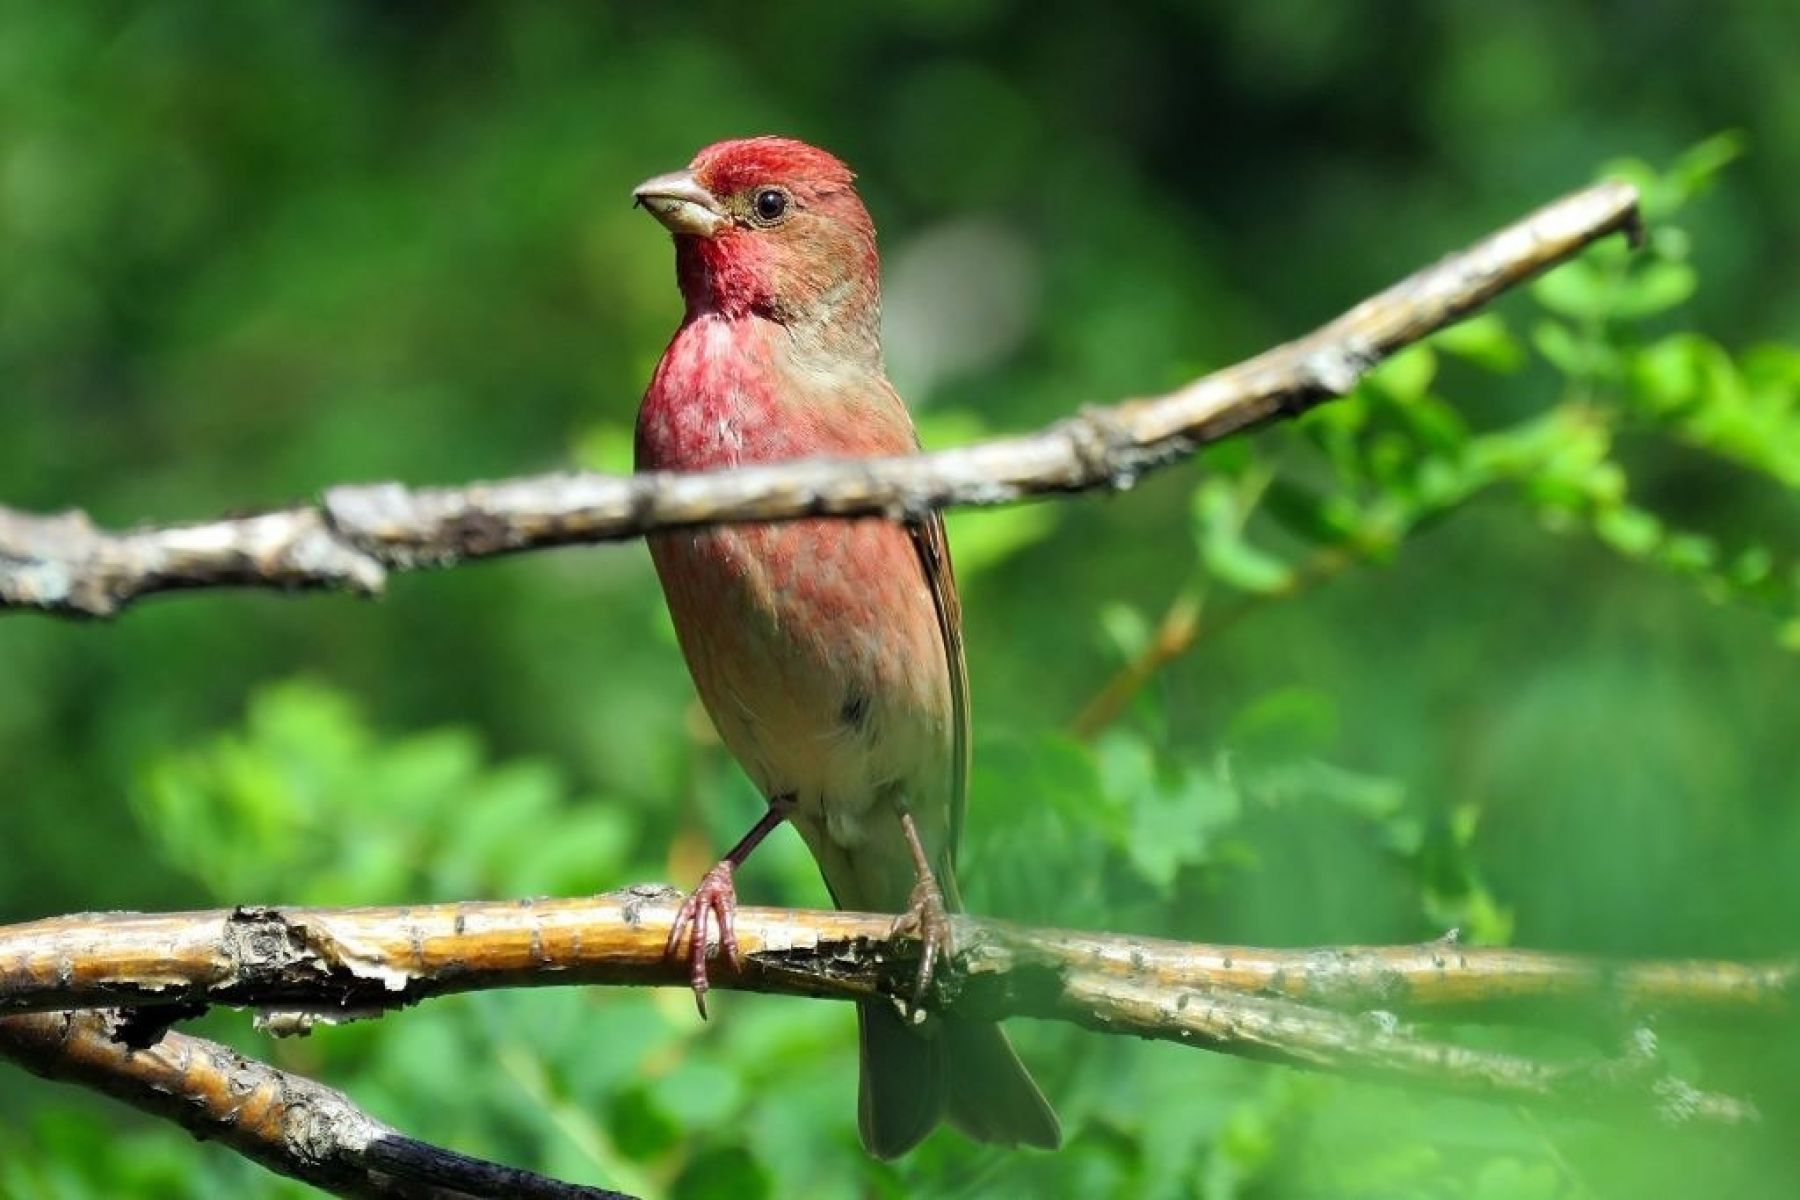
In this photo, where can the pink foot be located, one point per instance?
(927, 919)
(714, 901)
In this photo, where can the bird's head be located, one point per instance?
(771, 226)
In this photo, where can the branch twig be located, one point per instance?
(1306, 1007)
(1181, 628)
(64, 564)
(289, 1124)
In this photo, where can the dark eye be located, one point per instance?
(770, 203)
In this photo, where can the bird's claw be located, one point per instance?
(927, 919)
(712, 902)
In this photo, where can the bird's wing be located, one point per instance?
(884, 427)
(934, 558)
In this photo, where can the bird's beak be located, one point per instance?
(679, 202)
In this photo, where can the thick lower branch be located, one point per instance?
(377, 958)
(64, 564)
(1334, 1008)
(289, 1124)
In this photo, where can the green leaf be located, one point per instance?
(1700, 167)
(1631, 531)
(724, 1173)
(1126, 629)
(1658, 287)
(640, 1126)
(1751, 566)
(1774, 365)
(1689, 553)
(1749, 413)
(1578, 358)
(1788, 636)
(1576, 290)
(1370, 797)
(1442, 482)
(1173, 810)
(1484, 340)
(1436, 425)
(1407, 375)
(1670, 243)
(1289, 723)
(1218, 524)
(1670, 374)
(1330, 519)
(1039, 817)
(1662, 194)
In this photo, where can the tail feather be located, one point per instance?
(901, 1094)
(913, 1076)
(992, 1097)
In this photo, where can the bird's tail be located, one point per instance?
(913, 1075)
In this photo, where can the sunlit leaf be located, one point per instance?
(1700, 167)
(1218, 523)
(1406, 375)
(1630, 531)
(1485, 340)
(1657, 288)
(1576, 289)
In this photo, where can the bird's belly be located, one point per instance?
(815, 648)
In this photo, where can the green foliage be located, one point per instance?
(1402, 456)
(252, 250)
(310, 803)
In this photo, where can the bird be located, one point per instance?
(827, 652)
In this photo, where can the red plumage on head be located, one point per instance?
(819, 268)
(731, 166)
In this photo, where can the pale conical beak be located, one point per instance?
(679, 202)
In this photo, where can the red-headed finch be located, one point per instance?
(828, 652)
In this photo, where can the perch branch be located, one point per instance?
(1330, 1008)
(66, 564)
(289, 1124)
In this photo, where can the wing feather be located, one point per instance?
(934, 559)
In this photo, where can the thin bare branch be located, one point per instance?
(64, 564)
(1308, 1007)
(289, 1124)
(1181, 629)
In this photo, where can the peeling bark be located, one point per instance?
(289, 1124)
(1335, 1008)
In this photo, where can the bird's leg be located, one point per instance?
(925, 917)
(714, 901)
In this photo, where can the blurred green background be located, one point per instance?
(1505, 642)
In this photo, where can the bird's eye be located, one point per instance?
(770, 204)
